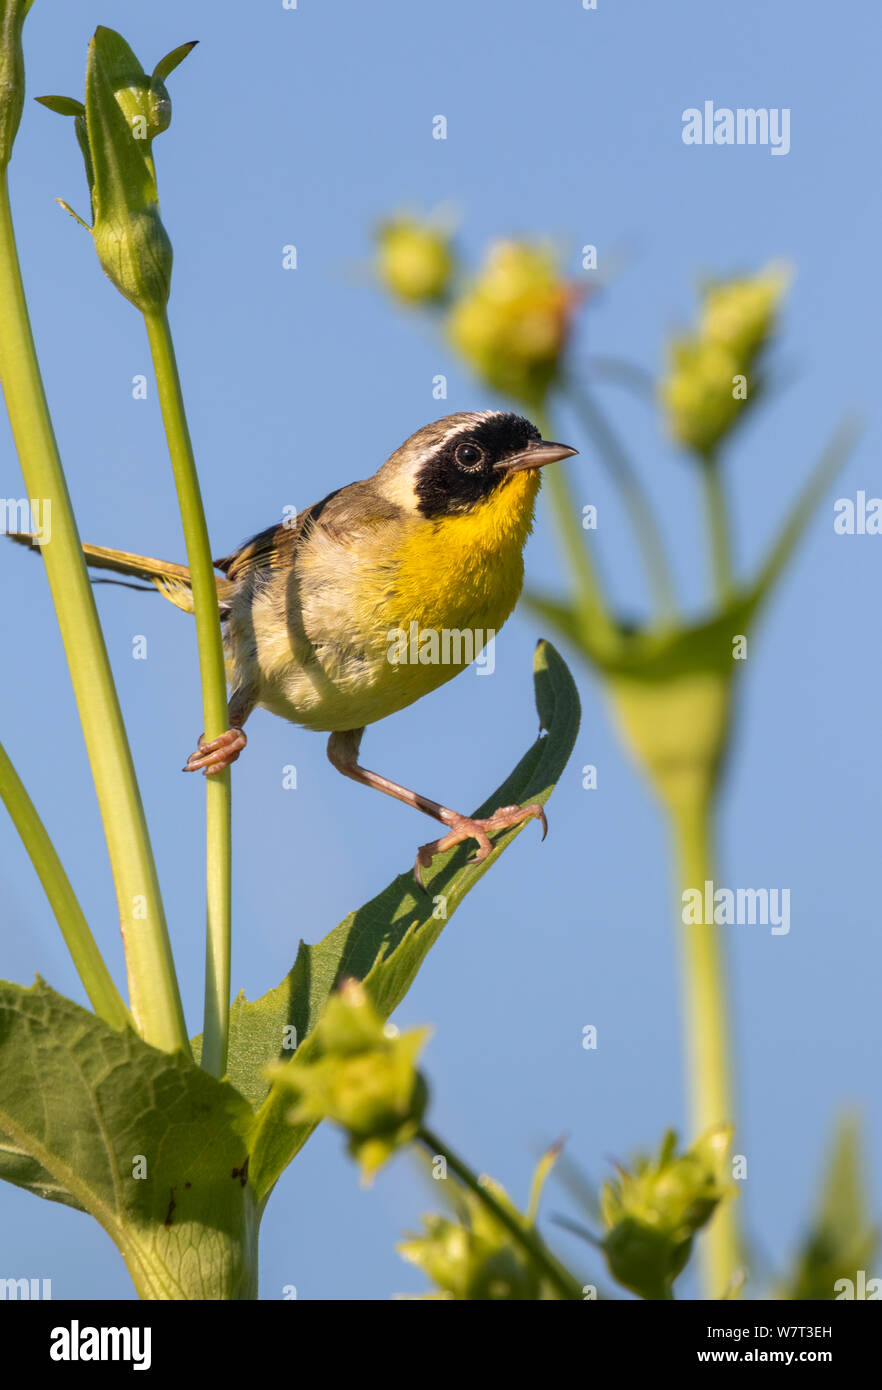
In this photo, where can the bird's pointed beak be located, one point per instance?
(536, 455)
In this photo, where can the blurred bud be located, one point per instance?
(124, 111)
(711, 375)
(741, 315)
(511, 325)
(415, 261)
(365, 1078)
(12, 75)
(700, 393)
(652, 1214)
(475, 1259)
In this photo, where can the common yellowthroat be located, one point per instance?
(311, 606)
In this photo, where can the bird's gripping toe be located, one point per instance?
(466, 828)
(214, 757)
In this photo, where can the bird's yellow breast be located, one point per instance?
(324, 643)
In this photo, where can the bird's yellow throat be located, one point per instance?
(466, 570)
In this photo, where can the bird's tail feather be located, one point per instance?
(172, 581)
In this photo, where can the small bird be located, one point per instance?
(314, 608)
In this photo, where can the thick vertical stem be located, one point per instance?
(153, 986)
(214, 694)
(707, 1028)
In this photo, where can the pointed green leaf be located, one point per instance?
(63, 106)
(117, 58)
(172, 60)
(385, 942)
(145, 1141)
(830, 463)
(124, 179)
(842, 1240)
(541, 1175)
(657, 653)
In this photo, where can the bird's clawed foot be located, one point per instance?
(214, 757)
(465, 828)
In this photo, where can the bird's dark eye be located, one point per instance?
(469, 456)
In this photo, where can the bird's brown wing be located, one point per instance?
(343, 512)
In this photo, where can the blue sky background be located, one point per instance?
(307, 127)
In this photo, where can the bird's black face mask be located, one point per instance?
(468, 466)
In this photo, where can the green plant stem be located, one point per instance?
(573, 539)
(153, 986)
(707, 1029)
(97, 981)
(214, 695)
(521, 1231)
(718, 529)
(633, 496)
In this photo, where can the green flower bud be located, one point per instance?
(414, 261)
(512, 324)
(365, 1079)
(701, 393)
(124, 111)
(710, 375)
(652, 1214)
(13, 14)
(475, 1259)
(741, 315)
(136, 254)
(131, 242)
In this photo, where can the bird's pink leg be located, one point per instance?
(343, 753)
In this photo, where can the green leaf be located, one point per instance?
(63, 106)
(17, 1167)
(829, 464)
(172, 60)
(124, 177)
(654, 654)
(259, 1029)
(93, 1107)
(541, 1174)
(118, 60)
(384, 942)
(841, 1240)
(12, 74)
